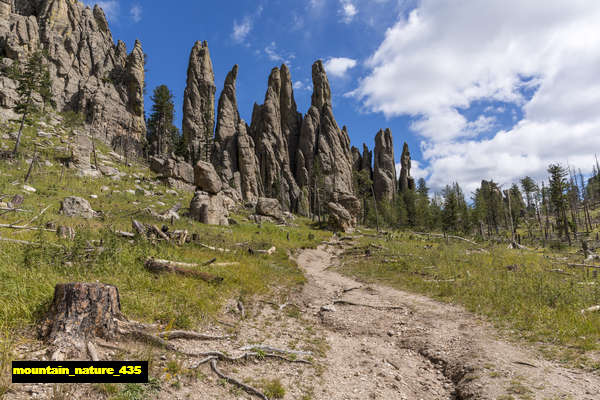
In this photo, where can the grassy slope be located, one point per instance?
(536, 303)
(28, 274)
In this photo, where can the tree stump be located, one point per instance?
(82, 311)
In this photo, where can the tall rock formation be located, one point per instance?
(324, 158)
(199, 104)
(384, 173)
(89, 73)
(367, 160)
(406, 181)
(275, 129)
(233, 152)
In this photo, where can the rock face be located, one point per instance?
(81, 153)
(275, 129)
(77, 207)
(206, 178)
(323, 157)
(199, 104)
(89, 73)
(340, 220)
(406, 181)
(367, 161)
(384, 173)
(233, 153)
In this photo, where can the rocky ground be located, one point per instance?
(365, 342)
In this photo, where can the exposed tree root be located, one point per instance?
(349, 303)
(233, 381)
(191, 336)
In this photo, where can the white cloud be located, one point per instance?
(274, 55)
(298, 85)
(348, 11)
(136, 12)
(241, 29)
(339, 66)
(443, 58)
(110, 7)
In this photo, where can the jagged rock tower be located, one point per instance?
(275, 129)
(89, 73)
(406, 182)
(384, 172)
(199, 104)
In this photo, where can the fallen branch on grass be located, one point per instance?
(590, 309)
(26, 228)
(161, 266)
(584, 266)
(269, 252)
(439, 235)
(37, 216)
(214, 248)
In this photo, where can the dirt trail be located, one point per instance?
(423, 350)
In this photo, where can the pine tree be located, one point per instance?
(32, 79)
(558, 197)
(163, 136)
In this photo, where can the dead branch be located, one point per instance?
(241, 309)
(191, 336)
(267, 252)
(214, 248)
(270, 349)
(26, 228)
(233, 381)
(158, 266)
(448, 236)
(351, 289)
(128, 235)
(37, 216)
(583, 266)
(14, 209)
(590, 309)
(349, 303)
(226, 264)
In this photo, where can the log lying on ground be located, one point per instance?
(161, 266)
(191, 336)
(439, 235)
(269, 252)
(590, 309)
(584, 266)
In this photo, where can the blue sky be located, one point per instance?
(481, 90)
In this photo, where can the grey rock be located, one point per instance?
(171, 168)
(206, 178)
(89, 73)
(199, 103)
(275, 129)
(406, 181)
(340, 220)
(211, 209)
(77, 207)
(270, 208)
(384, 173)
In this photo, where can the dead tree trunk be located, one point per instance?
(80, 312)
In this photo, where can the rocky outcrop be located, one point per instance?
(174, 171)
(199, 104)
(206, 178)
(269, 208)
(339, 218)
(89, 73)
(406, 181)
(234, 155)
(384, 172)
(367, 161)
(81, 156)
(356, 159)
(275, 129)
(323, 157)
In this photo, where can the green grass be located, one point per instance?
(28, 274)
(536, 303)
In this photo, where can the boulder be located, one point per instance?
(206, 178)
(80, 159)
(211, 209)
(77, 207)
(340, 220)
(269, 208)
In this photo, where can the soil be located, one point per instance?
(366, 342)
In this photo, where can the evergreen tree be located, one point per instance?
(558, 197)
(33, 79)
(163, 136)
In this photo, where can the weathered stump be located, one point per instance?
(82, 311)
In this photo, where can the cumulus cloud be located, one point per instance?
(441, 59)
(348, 11)
(136, 12)
(275, 55)
(339, 66)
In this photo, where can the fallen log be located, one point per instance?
(161, 266)
(214, 248)
(590, 309)
(269, 252)
(26, 228)
(191, 336)
(584, 266)
(439, 235)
